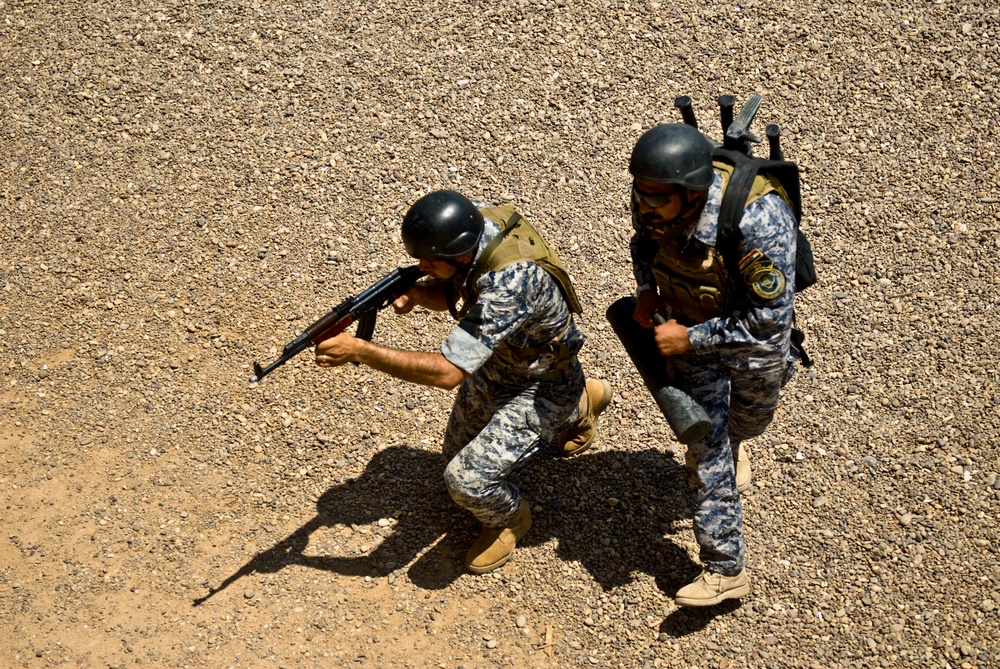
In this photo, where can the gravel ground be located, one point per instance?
(185, 185)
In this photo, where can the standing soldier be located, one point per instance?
(734, 361)
(513, 357)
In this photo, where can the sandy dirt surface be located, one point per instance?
(185, 185)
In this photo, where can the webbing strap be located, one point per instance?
(728, 235)
(477, 271)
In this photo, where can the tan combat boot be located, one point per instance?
(743, 474)
(593, 401)
(692, 467)
(493, 547)
(709, 589)
(741, 459)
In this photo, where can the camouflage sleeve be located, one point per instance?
(767, 253)
(463, 349)
(520, 301)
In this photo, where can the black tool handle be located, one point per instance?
(686, 418)
(773, 133)
(726, 104)
(683, 103)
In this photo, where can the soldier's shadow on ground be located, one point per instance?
(612, 512)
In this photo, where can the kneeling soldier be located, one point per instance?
(513, 357)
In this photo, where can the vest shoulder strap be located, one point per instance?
(519, 241)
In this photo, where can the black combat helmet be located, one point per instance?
(673, 153)
(442, 225)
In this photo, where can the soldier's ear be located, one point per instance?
(698, 197)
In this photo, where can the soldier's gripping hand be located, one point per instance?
(646, 302)
(337, 350)
(428, 294)
(672, 338)
(404, 303)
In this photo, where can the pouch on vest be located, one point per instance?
(518, 241)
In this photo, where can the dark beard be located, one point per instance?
(658, 228)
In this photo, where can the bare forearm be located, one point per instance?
(429, 369)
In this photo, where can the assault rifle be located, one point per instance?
(362, 308)
(685, 416)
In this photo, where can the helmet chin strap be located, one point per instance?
(691, 205)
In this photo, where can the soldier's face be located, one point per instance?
(661, 206)
(656, 204)
(444, 269)
(439, 269)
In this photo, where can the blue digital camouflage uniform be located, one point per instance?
(503, 412)
(735, 370)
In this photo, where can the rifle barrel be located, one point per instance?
(361, 307)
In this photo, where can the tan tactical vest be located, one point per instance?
(518, 241)
(691, 276)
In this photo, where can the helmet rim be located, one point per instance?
(442, 225)
(673, 153)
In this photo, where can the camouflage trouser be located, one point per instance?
(740, 405)
(492, 430)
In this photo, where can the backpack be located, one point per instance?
(746, 171)
(757, 175)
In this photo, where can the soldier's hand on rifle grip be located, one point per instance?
(420, 294)
(647, 302)
(337, 350)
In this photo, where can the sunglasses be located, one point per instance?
(657, 200)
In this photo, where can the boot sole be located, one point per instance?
(490, 567)
(578, 451)
(736, 593)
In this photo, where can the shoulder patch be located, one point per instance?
(761, 276)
